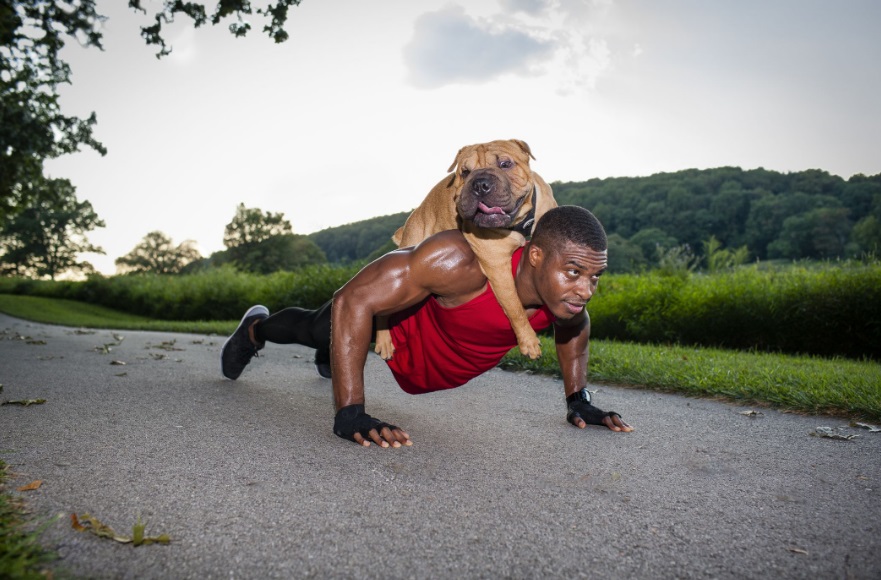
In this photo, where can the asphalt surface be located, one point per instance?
(249, 481)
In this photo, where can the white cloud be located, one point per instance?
(449, 46)
(530, 38)
(527, 6)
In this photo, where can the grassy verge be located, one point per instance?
(805, 384)
(81, 314)
(834, 386)
(21, 555)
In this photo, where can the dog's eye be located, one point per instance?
(506, 164)
(465, 172)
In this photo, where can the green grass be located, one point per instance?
(807, 384)
(833, 386)
(21, 555)
(81, 314)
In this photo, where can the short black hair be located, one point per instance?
(569, 223)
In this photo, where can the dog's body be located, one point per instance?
(495, 199)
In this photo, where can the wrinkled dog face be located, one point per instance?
(495, 183)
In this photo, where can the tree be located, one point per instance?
(817, 234)
(625, 257)
(45, 238)
(32, 34)
(32, 126)
(276, 12)
(263, 242)
(650, 239)
(276, 253)
(157, 254)
(867, 235)
(251, 226)
(719, 258)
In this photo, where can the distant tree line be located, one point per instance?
(804, 215)
(709, 219)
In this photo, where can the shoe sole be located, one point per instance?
(258, 308)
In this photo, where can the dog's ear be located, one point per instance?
(455, 161)
(524, 147)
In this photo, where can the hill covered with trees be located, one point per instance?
(802, 215)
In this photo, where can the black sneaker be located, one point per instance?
(322, 363)
(238, 350)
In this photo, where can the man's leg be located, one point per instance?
(299, 326)
(240, 347)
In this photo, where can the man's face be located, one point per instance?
(568, 278)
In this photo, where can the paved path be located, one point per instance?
(249, 481)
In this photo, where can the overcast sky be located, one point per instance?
(362, 110)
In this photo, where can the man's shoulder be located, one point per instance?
(448, 245)
(446, 261)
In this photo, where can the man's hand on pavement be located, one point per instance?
(387, 437)
(353, 423)
(581, 413)
(613, 422)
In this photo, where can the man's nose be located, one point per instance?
(585, 290)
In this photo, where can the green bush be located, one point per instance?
(215, 294)
(824, 309)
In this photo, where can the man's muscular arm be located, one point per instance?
(443, 265)
(572, 338)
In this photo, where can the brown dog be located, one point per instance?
(495, 199)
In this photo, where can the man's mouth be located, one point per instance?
(574, 307)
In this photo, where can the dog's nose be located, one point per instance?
(481, 186)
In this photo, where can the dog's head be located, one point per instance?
(493, 183)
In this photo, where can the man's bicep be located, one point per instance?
(384, 286)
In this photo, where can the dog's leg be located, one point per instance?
(494, 252)
(383, 346)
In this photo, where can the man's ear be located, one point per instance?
(536, 255)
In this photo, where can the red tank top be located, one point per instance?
(440, 348)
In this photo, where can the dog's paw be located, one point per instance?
(530, 347)
(384, 346)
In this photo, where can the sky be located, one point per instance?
(363, 109)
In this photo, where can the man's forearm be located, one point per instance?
(572, 343)
(351, 330)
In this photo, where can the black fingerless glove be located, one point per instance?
(352, 419)
(578, 406)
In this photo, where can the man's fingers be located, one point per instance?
(579, 422)
(615, 423)
(360, 440)
(377, 438)
(402, 437)
(395, 437)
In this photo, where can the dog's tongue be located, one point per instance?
(486, 209)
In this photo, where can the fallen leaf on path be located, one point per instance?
(167, 345)
(121, 375)
(752, 413)
(89, 523)
(83, 331)
(24, 402)
(798, 551)
(832, 433)
(36, 342)
(31, 486)
(870, 428)
(118, 363)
